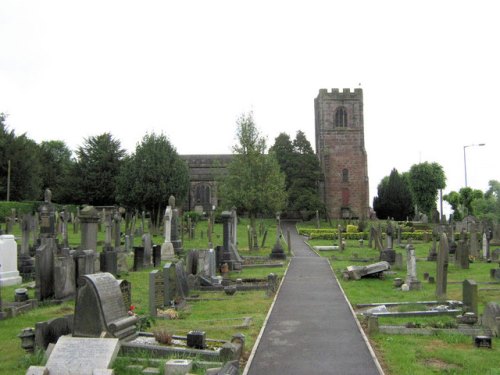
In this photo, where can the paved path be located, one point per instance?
(311, 329)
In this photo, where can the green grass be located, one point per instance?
(414, 354)
(213, 317)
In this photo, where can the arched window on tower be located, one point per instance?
(341, 117)
(345, 175)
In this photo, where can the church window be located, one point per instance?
(341, 117)
(345, 175)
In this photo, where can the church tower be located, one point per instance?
(340, 146)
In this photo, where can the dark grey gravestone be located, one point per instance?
(84, 354)
(170, 283)
(182, 283)
(100, 308)
(491, 318)
(442, 268)
(495, 273)
(84, 262)
(109, 261)
(138, 258)
(48, 332)
(388, 255)
(148, 249)
(44, 270)
(156, 255)
(126, 289)
(64, 277)
(156, 291)
(474, 245)
(470, 298)
(192, 262)
(495, 255)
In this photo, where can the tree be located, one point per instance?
(425, 181)
(254, 182)
(23, 153)
(97, 168)
(488, 206)
(56, 168)
(302, 171)
(394, 197)
(150, 175)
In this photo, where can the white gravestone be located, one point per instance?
(9, 275)
(167, 248)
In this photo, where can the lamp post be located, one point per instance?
(465, 160)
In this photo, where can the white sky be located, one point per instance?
(430, 72)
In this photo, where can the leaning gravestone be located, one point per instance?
(100, 308)
(82, 356)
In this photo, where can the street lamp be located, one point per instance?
(465, 160)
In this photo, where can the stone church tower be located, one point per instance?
(340, 146)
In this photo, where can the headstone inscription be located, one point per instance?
(83, 356)
(156, 292)
(100, 308)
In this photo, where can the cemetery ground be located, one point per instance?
(220, 316)
(440, 352)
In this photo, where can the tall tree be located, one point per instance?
(23, 154)
(461, 202)
(97, 168)
(150, 175)
(254, 182)
(302, 171)
(394, 197)
(57, 164)
(425, 181)
(488, 207)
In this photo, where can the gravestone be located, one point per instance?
(89, 219)
(156, 292)
(432, 252)
(233, 238)
(181, 279)
(84, 262)
(411, 269)
(170, 283)
(495, 255)
(138, 258)
(176, 227)
(117, 220)
(398, 261)
(442, 268)
(462, 255)
(82, 356)
(389, 232)
(64, 277)
(469, 296)
(48, 332)
(9, 275)
(388, 255)
(473, 242)
(167, 249)
(491, 318)
(278, 252)
(370, 238)
(126, 289)
(109, 261)
(44, 269)
(156, 255)
(148, 249)
(99, 308)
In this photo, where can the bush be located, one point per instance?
(352, 228)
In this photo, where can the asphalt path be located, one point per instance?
(311, 329)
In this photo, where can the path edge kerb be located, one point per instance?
(259, 337)
(367, 342)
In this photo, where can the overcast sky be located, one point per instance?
(429, 72)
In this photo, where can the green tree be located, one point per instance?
(488, 207)
(56, 168)
(254, 182)
(150, 175)
(302, 171)
(394, 197)
(97, 168)
(425, 181)
(462, 202)
(23, 153)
